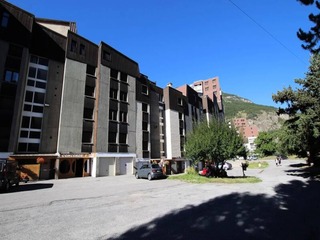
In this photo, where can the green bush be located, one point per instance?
(191, 171)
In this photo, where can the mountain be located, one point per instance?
(264, 117)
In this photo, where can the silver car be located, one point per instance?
(149, 171)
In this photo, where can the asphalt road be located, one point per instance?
(285, 205)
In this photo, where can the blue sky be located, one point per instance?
(251, 45)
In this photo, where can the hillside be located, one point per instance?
(264, 117)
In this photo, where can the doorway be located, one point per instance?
(79, 168)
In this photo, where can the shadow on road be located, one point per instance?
(303, 170)
(293, 213)
(31, 187)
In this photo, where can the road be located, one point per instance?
(123, 207)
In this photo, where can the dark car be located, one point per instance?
(149, 171)
(8, 174)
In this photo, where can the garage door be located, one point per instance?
(126, 167)
(106, 167)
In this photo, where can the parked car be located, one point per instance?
(226, 166)
(8, 174)
(149, 171)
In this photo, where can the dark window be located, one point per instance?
(112, 137)
(91, 70)
(5, 19)
(145, 145)
(123, 96)
(89, 91)
(22, 147)
(34, 59)
(144, 107)
(123, 116)
(29, 96)
(160, 98)
(36, 122)
(35, 135)
(73, 46)
(144, 89)
(106, 56)
(33, 147)
(41, 85)
(37, 109)
(82, 49)
(114, 74)
(122, 138)
(25, 122)
(30, 83)
(124, 77)
(144, 126)
(43, 61)
(87, 137)
(113, 93)
(42, 74)
(88, 113)
(24, 134)
(180, 101)
(113, 115)
(38, 97)
(27, 107)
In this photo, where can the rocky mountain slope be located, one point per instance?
(264, 117)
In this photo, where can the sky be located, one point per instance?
(251, 45)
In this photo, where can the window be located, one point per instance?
(180, 101)
(106, 56)
(113, 115)
(144, 126)
(160, 98)
(29, 96)
(38, 97)
(123, 116)
(123, 77)
(206, 83)
(25, 122)
(123, 96)
(5, 19)
(113, 93)
(73, 46)
(114, 74)
(144, 107)
(42, 74)
(206, 89)
(144, 89)
(36, 122)
(11, 76)
(82, 49)
(112, 137)
(122, 138)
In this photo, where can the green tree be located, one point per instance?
(214, 142)
(311, 37)
(266, 143)
(303, 108)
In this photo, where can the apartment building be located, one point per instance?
(245, 128)
(150, 121)
(73, 108)
(53, 83)
(211, 88)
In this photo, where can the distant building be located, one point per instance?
(211, 88)
(247, 130)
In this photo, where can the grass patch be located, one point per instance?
(258, 164)
(194, 178)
